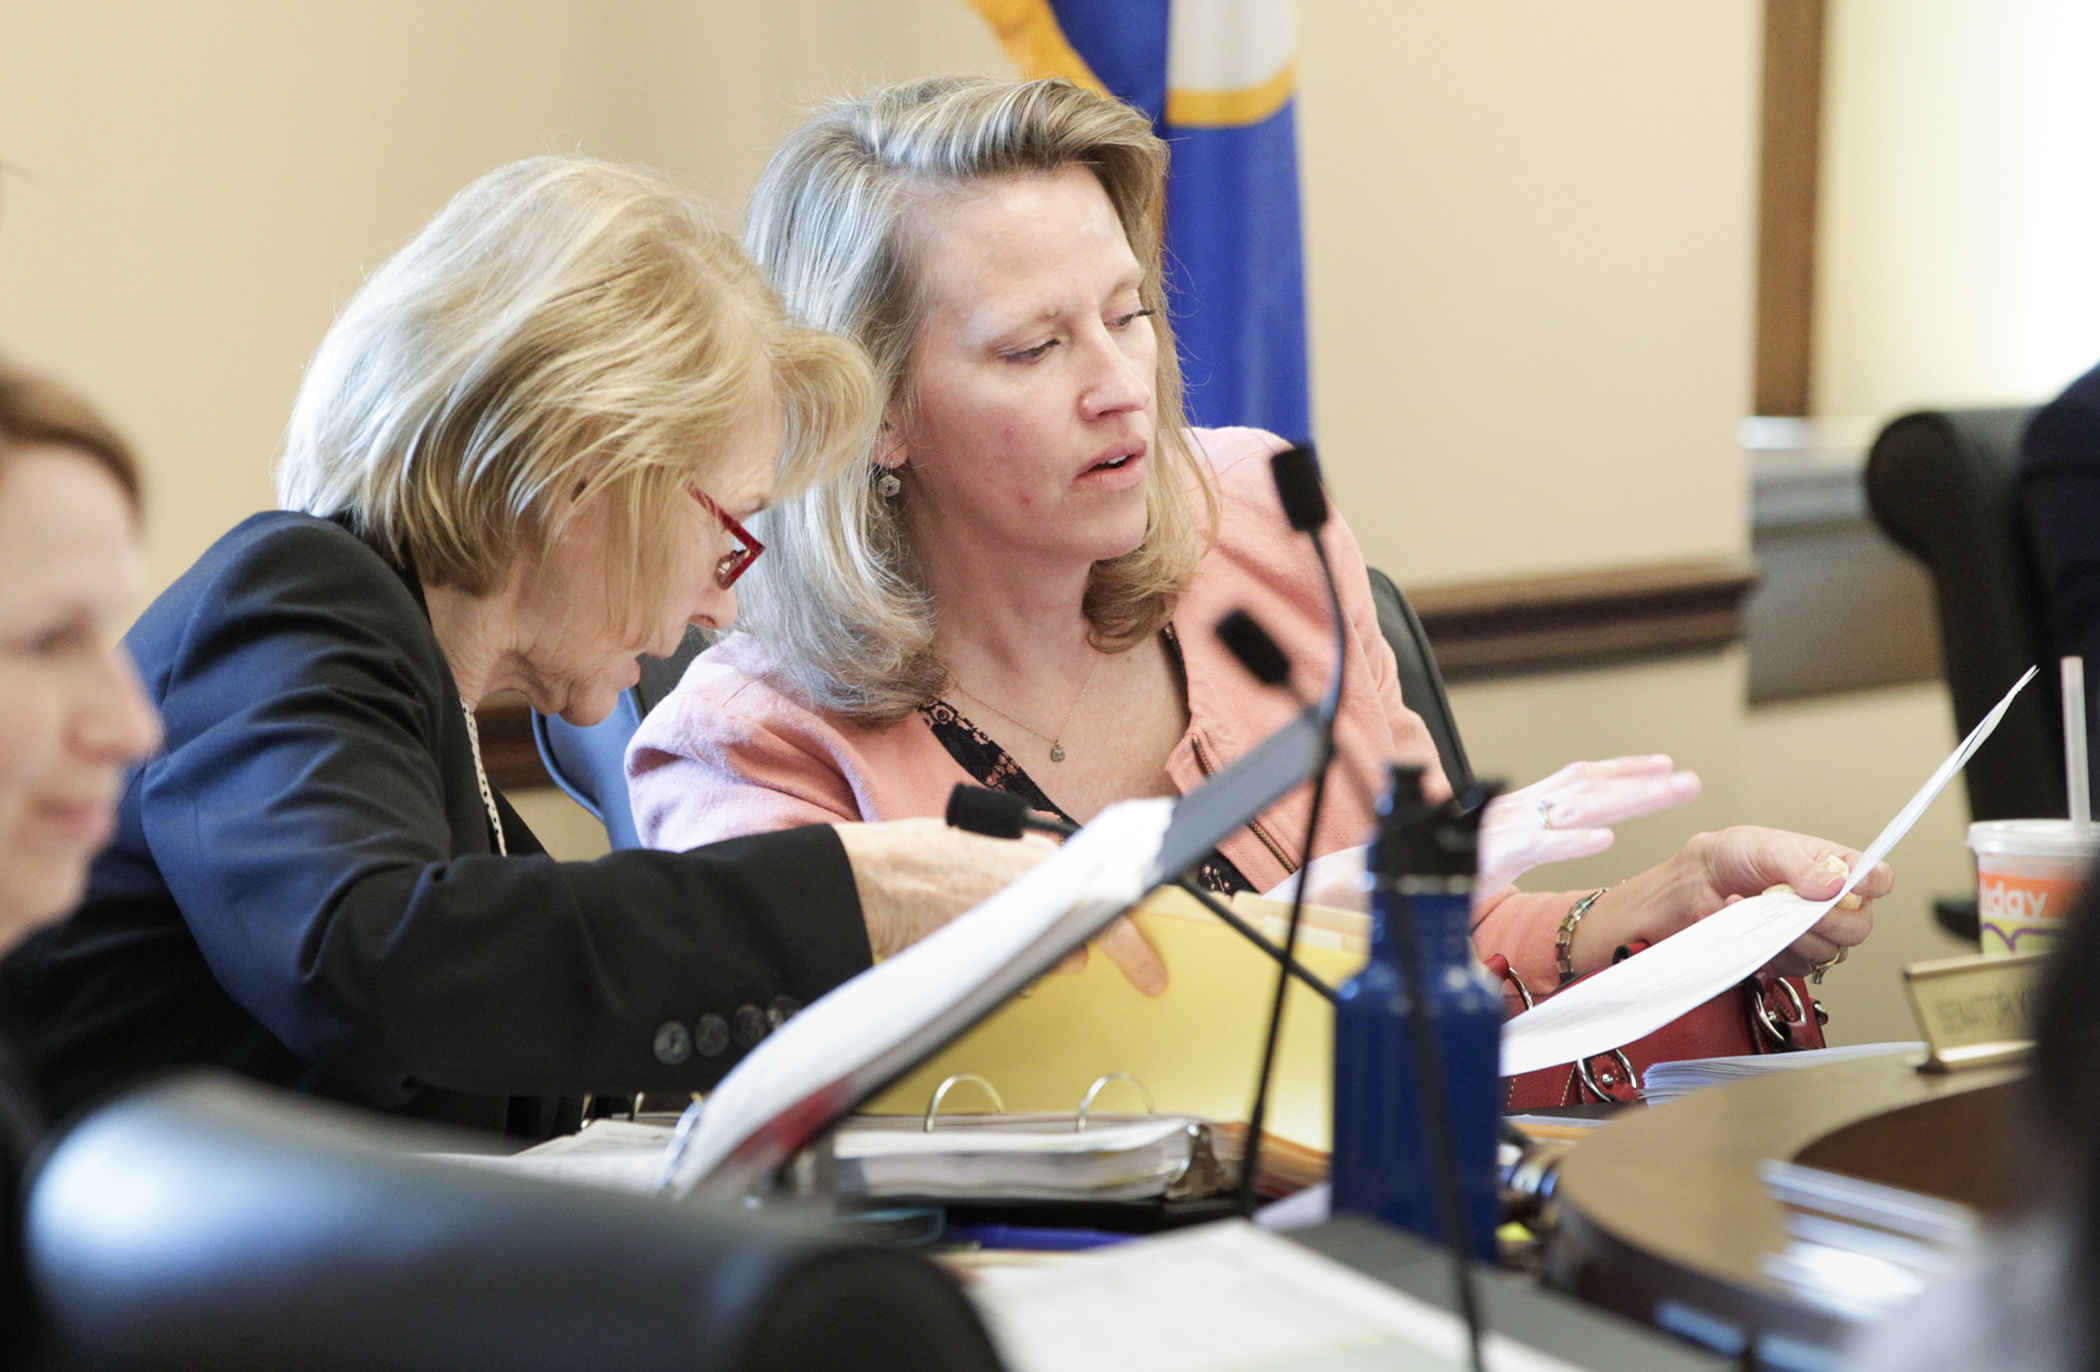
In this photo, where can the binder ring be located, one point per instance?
(940, 1093)
(1087, 1102)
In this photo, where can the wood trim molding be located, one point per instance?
(1789, 158)
(1584, 619)
(1479, 630)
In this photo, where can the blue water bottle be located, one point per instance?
(1387, 1119)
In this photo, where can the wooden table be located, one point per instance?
(1662, 1216)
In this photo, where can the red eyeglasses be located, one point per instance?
(737, 560)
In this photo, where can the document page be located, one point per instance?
(1691, 967)
(1221, 1297)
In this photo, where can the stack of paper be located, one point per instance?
(1858, 1247)
(1026, 1157)
(1667, 1081)
(1221, 1297)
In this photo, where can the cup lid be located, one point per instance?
(2034, 838)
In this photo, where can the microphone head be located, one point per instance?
(982, 810)
(1247, 641)
(1297, 474)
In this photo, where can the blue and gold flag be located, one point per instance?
(1216, 76)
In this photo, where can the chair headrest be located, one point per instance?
(207, 1222)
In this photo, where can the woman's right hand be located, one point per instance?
(914, 875)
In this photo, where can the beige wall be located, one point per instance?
(1958, 206)
(1528, 226)
(1529, 243)
(199, 186)
(1841, 766)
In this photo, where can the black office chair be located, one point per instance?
(589, 763)
(1942, 485)
(209, 1223)
(1421, 684)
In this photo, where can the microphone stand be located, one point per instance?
(1305, 504)
(1002, 814)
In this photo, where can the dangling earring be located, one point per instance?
(887, 485)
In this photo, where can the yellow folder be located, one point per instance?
(1197, 1048)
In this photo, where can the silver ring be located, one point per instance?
(1545, 814)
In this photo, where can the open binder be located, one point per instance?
(1034, 1157)
(843, 1049)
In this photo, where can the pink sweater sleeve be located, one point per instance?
(1521, 926)
(703, 768)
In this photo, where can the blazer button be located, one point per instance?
(711, 1036)
(674, 1043)
(781, 1010)
(749, 1026)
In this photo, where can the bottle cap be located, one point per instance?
(1416, 838)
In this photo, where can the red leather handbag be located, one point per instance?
(1761, 1014)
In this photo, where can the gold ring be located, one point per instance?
(1815, 973)
(1545, 814)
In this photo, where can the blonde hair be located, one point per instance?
(839, 596)
(564, 331)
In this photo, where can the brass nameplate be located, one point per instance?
(1975, 1011)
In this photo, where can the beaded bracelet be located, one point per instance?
(1564, 941)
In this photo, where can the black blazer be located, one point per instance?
(25, 1337)
(303, 886)
(2060, 493)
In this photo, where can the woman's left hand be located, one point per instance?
(1570, 814)
(1718, 869)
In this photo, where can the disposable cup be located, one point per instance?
(2028, 872)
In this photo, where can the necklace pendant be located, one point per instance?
(1057, 751)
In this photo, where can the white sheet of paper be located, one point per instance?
(1220, 1297)
(1691, 967)
(617, 1154)
(1337, 880)
(864, 1031)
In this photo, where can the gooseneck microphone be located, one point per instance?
(1002, 814)
(1296, 472)
(1304, 503)
(1251, 646)
(998, 814)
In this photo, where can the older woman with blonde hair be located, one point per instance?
(1017, 583)
(524, 453)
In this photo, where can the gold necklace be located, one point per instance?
(1057, 748)
(481, 776)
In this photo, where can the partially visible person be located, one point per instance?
(2024, 1296)
(72, 716)
(2060, 500)
(523, 454)
(1016, 583)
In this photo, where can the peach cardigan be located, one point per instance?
(730, 753)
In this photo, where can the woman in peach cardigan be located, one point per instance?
(1019, 587)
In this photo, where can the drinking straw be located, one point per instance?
(2074, 745)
